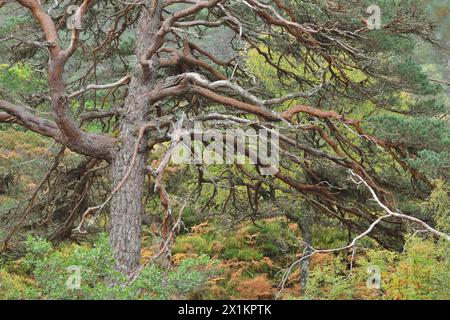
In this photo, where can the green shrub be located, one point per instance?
(275, 239)
(52, 269)
(180, 283)
(421, 272)
(330, 282)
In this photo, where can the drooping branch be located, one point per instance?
(291, 112)
(178, 85)
(399, 215)
(199, 79)
(236, 104)
(94, 87)
(208, 89)
(97, 146)
(368, 231)
(27, 119)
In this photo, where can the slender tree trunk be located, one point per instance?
(305, 223)
(127, 208)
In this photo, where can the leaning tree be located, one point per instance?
(321, 73)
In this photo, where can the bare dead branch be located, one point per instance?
(94, 87)
(367, 232)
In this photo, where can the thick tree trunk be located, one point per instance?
(127, 208)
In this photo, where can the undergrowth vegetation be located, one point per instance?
(359, 123)
(51, 273)
(212, 262)
(234, 266)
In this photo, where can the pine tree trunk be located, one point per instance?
(127, 208)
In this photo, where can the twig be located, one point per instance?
(352, 245)
(33, 197)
